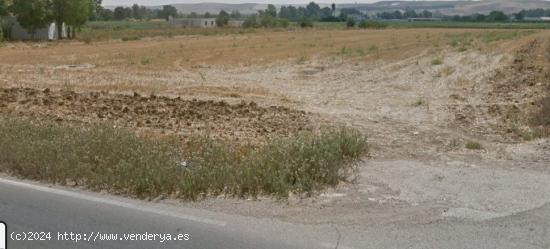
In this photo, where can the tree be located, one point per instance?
(350, 23)
(128, 12)
(345, 12)
(3, 8)
(3, 12)
(520, 16)
(207, 15)
(325, 13)
(95, 10)
(106, 15)
(119, 14)
(59, 14)
(497, 16)
(168, 11)
(306, 22)
(135, 12)
(78, 12)
(222, 19)
(313, 11)
(250, 22)
(271, 10)
(410, 13)
(426, 14)
(235, 14)
(333, 8)
(31, 14)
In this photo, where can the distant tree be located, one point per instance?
(306, 22)
(235, 14)
(345, 12)
(106, 15)
(135, 12)
(207, 15)
(271, 10)
(222, 19)
(409, 13)
(291, 13)
(325, 13)
(333, 8)
(426, 14)
(3, 8)
(59, 14)
(283, 12)
(78, 12)
(167, 11)
(95, 9)
(313, 11)
(390, 15)
(520, 15)
(193, 15)
(32, 14)
(119, 14)
(251, 22)
(128, 12)
(145, 13)
(479, 18)
(497, 16)
(397, 14)
(350, 22)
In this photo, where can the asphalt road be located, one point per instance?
(29, 207)
(32, 208)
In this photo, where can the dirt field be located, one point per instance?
(244, 121)
(421, 96)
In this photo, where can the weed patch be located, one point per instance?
(473, 146)
(101, 157)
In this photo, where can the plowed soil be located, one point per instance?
(244, 121)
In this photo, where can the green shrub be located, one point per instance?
(473, 146)
(306, 23)
(436, 62)
(131, 38)
(104, 158)
(350, 23)
(250, 22)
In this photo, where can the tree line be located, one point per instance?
(493, 16)
(137, 12)
(36, 14)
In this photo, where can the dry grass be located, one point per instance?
(263, 46)
(104, 158)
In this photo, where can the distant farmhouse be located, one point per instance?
(200, 22)
(192, 22)
(537, 19)
(15, 31)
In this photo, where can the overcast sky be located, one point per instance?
(161, 2)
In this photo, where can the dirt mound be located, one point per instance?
(524, 88)
(244, 121)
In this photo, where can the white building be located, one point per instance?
(193, 22)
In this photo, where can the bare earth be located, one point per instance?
(418, 114)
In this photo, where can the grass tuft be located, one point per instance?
(473, 146)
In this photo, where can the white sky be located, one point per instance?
(161, 2)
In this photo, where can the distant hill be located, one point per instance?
(453, 7)
(445, 7)
(244, 8)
